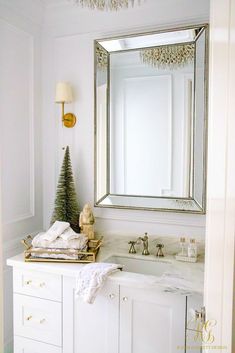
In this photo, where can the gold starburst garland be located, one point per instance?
(169, 56)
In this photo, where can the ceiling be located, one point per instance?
(48, 3)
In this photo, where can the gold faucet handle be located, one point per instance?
(159, 250)
(132, 244)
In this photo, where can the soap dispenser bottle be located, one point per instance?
(192, 248)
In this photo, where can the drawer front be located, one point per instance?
(24, 345)
(38, 284)
(37, 319)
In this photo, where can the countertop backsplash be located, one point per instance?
(171, 243)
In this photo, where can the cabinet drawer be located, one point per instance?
(38, 284)
(37, 319)
(24, 345)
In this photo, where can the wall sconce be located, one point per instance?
(64, 95)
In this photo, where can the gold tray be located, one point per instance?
(30, 254)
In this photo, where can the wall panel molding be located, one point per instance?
(18, 101)
(20, 120)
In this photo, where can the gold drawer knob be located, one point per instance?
(28, 282)
(29, 318)
(42, 284)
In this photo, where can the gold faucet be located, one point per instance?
(145, 244)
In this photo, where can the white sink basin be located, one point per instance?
(143, 266)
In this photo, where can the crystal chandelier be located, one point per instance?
(112, 5)
(169, 56)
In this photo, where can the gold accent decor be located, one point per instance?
(30, 254)
(69, 120)
(64, 95)
(169, 56)
(112, 5)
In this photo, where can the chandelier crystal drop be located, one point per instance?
(169, 56)
(112, 5)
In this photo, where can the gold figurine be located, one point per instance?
(86, 222)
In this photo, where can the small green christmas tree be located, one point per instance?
(66, 204)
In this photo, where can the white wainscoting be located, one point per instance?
(17, 134)
(20, 137)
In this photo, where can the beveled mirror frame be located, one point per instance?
(152, 203)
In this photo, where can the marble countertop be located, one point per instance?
(180, 277)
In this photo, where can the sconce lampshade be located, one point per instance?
(64, 93)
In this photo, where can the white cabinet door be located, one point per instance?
(194, 326)
(90, 328)
(194, 302)
(151, 321)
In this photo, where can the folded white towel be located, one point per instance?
(80, 242)
(69, 234)
(47, 255)
(91, 278)
(55, 230)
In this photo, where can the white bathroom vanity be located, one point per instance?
(144, 308)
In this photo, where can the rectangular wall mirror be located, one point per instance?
(150, 120)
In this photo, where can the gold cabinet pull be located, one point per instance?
(42, 284)
(28, 282)
(29, 318)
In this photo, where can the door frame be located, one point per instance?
(1, 280)
(220, 223)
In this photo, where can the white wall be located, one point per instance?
(20, 134)
(68, 55)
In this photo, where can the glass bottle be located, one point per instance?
(183, 248)
(192, 248)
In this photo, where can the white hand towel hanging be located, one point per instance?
(91, 278)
